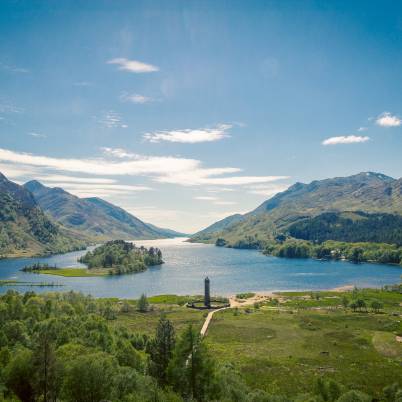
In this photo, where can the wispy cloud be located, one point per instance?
(133, 66)
(225, 203)
(135, 98)
(13, 69)
(267, 190)
(111, 119)
(36, 135)
(190, 136)
(8, 107)
(83, 84)
(162, 169)
(74, 179)
(360, 129)
(386, 119)
(205, 198)
(118, 153)
(348, 139)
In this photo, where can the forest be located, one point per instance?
(350, 227)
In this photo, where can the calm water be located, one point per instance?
(187, 264)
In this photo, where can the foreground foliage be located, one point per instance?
(68, 347)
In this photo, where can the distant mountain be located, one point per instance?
(94, 217)
(24, 229)
(169, 233)
(224, 224)
(367, 192)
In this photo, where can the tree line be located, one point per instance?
(335, 250)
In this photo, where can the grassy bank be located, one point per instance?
(74, 272)
(285, 347)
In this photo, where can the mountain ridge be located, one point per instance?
(96, 218)
(365, 191)
(25, 230)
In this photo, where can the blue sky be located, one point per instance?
(184, 112)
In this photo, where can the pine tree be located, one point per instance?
(191, 370)
(161, 350)
(44, 360)
(143, 304)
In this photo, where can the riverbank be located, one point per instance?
(74, 272)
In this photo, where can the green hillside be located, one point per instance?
(367, 192)
(350, 227)
(94, 217)
(24, 229)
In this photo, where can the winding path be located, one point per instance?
(208, 320)
(233, 303)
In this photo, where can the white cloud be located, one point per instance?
(135, 98)
(266, 190)
(133, 66)
(349, 139)
(387, 120)
(190, 136)
(219, 190)
(74, 179)
(360, 129)
(225, 203)
(111, 119)
(119, 153)
(203, 177)
(205, 198)
(163, 169)
(36, 135)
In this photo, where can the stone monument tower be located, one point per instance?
(207, 295)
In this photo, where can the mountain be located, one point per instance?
(94, 217)
(224, 224)
(169, 233)
(367, 192)
(24, 228)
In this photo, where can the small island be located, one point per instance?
(118, 257)
(115, 257)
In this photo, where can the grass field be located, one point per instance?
(146, 323)
(284, 350)
(74, 272)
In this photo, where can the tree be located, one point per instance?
(356, 255)
(376, 306)
(161, 350)
(143, 304)
(89, 378)
(345, 302)
(361, 304)
(191, 370)
(46, 367)
(353, 306)
(19, 375)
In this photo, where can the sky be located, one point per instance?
(184, 112)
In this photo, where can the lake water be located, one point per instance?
(186, 265)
